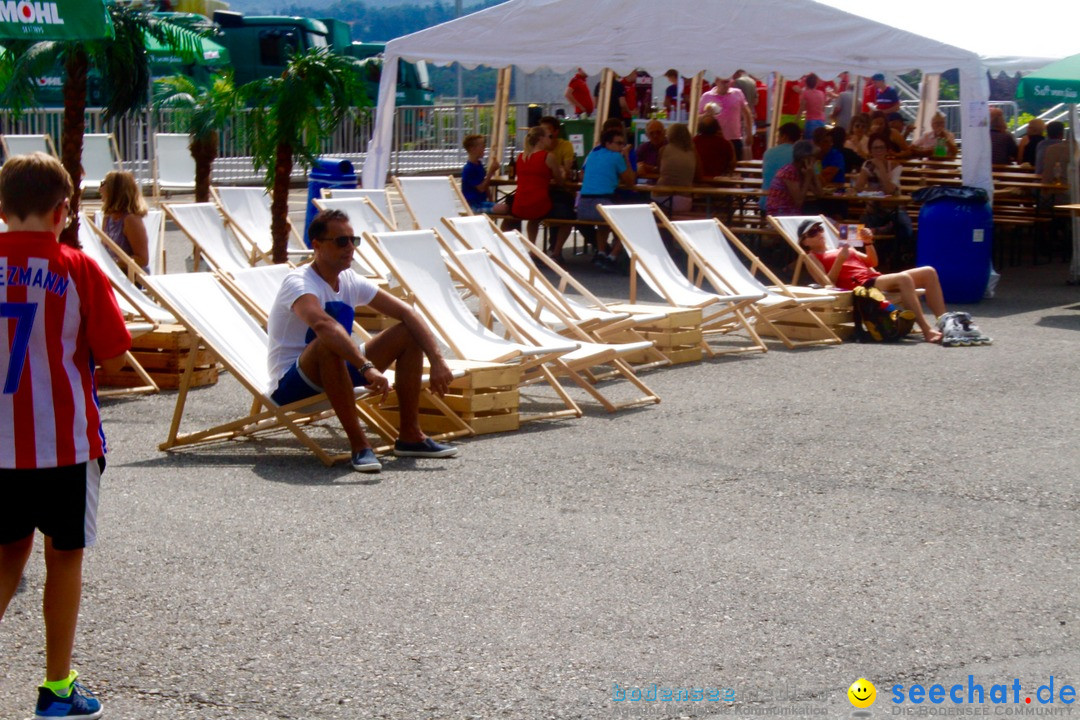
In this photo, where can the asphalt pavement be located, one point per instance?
(778, 527)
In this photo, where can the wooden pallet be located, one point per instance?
(164, 353)
(839, 317)
(677, 336)
(486, 398)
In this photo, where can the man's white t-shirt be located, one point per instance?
(288, 335)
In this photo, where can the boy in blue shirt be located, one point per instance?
(474, 180)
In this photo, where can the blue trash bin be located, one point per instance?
(326, 173)
(955, 236)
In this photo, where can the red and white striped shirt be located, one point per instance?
(57, 313)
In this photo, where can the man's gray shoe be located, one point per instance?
(427, 448)
(365, 461)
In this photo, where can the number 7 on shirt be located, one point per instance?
(24, 314)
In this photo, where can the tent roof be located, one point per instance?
(717, 36)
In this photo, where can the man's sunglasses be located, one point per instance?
(346, 240)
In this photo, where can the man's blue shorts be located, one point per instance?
(295, 385)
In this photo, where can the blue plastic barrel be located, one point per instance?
(955, 236)
(326, 173)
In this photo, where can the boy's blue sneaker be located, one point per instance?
(427, 448)
(76, 706)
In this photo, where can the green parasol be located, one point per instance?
(1058, 82)
(57, 20)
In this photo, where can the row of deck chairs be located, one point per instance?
(173, 168)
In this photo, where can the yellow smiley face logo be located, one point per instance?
(862, 693)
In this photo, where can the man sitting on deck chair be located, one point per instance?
(311, 350)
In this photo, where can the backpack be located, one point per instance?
(877, 319)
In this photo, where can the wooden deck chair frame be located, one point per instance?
(480, 272)
(782, 304)
(590, 319)
(175, 146)
(100, 153)
(264, 415)
(413, 205)
(232, 248)
(45, 140)
(139, 321)
(723, 314)
(245, 236)
(383, 207)
(533, 360)
(155, 235)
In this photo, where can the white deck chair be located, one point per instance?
(155, 236)
(203, 224)
(365, 217)
(25, 144)
(247, 211)
(377, 197)
(510, 255)
(100, 157)
(211, 313)
(429, 199)
(708, 244)
(479, 270)
(134, 303)
(723, 312)
(174, 168)
(416, 260)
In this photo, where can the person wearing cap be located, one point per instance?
(848, 268)
(577, 94)
(886, 100)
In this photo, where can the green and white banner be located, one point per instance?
(56, 20)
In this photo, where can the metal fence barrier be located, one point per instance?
(427, 139)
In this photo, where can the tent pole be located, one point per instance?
(929, 89)
(695, 100)
(501, 114)
(776, 106)
(603, 102)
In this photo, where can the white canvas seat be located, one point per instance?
(134, 303)
(554, 306)
(155, 238)
(479, 270)
(209, 311)
(100, 156)
(429, 199)
(25, 144)
(174, 168)
(247, 211)
(708, 244)
(722, 312)
(378, 198)
(204, 226)
(416, 260)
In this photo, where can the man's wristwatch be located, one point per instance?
(365, 367)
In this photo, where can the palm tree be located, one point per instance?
(121, 62)
(202, 110)
(291, 116)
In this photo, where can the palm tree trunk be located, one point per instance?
(203, 151)
(71, 141)
(279, 202)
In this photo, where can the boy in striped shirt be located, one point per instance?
(58, 316)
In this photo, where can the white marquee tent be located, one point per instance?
(791, 37)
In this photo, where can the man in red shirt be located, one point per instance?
(58, 317)
(848, 268)
(578, 95)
